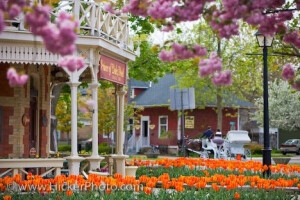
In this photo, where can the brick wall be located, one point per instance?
(202, 119)
(17, 99)
(5, 91)
(5, 147)
(154, 114)
(208, 117)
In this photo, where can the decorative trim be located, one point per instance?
(18, 53)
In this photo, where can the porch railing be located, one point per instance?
(93, 20)
(16, 166)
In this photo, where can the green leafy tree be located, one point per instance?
(247, 80)
(107, 109)
(63, 114)
(147, 67)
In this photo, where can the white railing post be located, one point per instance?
(76, 9)
(93, 19)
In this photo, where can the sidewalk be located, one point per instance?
(294, 159)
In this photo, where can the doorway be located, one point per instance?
(33, 115)
(145, 131)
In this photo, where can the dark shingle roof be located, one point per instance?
(138, 84)
(159, 95)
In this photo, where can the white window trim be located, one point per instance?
(130, 125)
(167, 124)
(132, 93)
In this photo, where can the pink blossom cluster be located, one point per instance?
(108, 7)
(222, 78)
(137, 7)
(288, 72)
(58, 38)
(170, 10)
(293, 39)
(15, 79)
(225, 21)
(181, 52)
(210, 66)
(161, 9)
(213, 66)
(10, 8)
(72, 63)
(38, 18)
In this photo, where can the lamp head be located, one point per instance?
(263, 40)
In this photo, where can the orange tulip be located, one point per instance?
(108, 191)
(147, 190)
(237, 195)
(215, 187)
(69, 193)
(7, 197)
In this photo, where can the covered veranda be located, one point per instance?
(103, 41)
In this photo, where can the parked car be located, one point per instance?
(290, 146)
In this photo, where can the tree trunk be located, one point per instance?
(55, 95)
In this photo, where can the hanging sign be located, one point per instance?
(189, 122)
(112, 70)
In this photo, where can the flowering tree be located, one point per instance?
(270, 16)
(223, 18)
(284, 106)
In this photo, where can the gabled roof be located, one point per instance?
(159, 95)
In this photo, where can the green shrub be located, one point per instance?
(103, 148)
(254, 148)
(64, 147)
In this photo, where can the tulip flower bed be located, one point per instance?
(182, 178)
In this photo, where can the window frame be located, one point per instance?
(131, 93)
(130, 126)
(159, 124)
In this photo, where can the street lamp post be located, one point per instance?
(265, 42)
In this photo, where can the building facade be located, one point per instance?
(156, 124)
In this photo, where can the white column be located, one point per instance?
(94, 87)
(95, 159)
(74, 86)
(74, 160)
(120, 157)
(120, 120)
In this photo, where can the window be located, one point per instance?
(1, 124)
(163, 125)
(132, 93)
(130, 126)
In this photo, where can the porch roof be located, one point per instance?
(159, 95)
